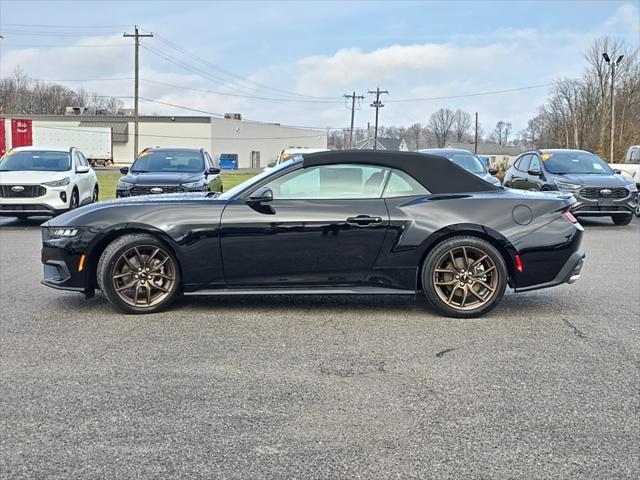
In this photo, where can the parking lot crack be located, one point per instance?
(577, 332)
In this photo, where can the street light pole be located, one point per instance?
(613, 66)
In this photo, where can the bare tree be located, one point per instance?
(441, 124)
(501, 133)
(461, 124)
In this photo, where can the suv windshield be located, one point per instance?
(561, 162)
(35, 161)
(169, 161)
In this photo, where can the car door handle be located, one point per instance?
(363, 220)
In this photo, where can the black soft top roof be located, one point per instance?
(437, 174)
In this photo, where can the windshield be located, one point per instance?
(562, 162)
(247, 183)
(466, 160)
(35, 161)
(169, 161)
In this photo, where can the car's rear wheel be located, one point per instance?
(138, 274)
(464, 277)
(622, 219)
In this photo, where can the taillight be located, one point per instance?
(568, 216)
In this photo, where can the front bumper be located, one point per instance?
(602, 205)
(54, 201)
(60, 256)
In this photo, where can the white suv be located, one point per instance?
(45, 181)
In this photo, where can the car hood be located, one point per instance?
(84, 215)
(595, 180)
(30, 177)
(159, 178)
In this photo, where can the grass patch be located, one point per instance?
(107, 182)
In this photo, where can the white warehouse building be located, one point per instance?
(256, 143)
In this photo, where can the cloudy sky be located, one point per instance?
(291, 62)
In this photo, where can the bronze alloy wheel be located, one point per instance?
(465, 278)
(144, 276)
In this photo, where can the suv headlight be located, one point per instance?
(57, 183)
(122, 184)
(198, 184)
(567, 186)
(632, 187)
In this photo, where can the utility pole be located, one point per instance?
(353, 98)
(136, 36)
(613, 66)
(475, 143)
(377, 104)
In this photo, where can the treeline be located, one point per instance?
(578, 111)
(22, 94)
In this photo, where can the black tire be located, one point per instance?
(474, 248)
(622, 219)
(96, 195)
(111, 258)
(74, 201)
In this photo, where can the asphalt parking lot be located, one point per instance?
(545, 386)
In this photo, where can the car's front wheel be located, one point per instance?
(624, 219)
(96, 195)
(74, 201)
(464, 277)
(138, 274)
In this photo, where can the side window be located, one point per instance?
(523, 163)
(83, 159)
(634, 157)
(77, 161)
(535, 163)
(401, 184)
(330, 182)
(208, 163)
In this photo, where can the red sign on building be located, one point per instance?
(21, 133)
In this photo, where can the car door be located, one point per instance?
(519, 178)
(325, 226)
(213, 179)
(534, 182)
(80, 179)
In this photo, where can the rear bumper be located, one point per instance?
(569, 273)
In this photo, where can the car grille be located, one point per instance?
(12, 208)
(146, 189)
(30, 191)
(593, 193)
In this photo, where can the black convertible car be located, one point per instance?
(343, 222)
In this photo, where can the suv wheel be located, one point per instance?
(138, 274)
(74, 201)
(624, 219)
(464, 277)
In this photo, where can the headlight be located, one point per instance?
(57, 183)
(567, 186)
(198, 184)
(632, 187)
(122, 184)
(65, 232)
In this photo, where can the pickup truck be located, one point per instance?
(631, 166)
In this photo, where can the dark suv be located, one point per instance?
(600, 191)
(170, 170)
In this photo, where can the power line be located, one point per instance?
(478, 94)
(39, 25)
(56, 34)
(231, 74)
(64, 46)
(213, 92)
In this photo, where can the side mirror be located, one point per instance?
(124, 170)
(262, 194)
(493, 171)
(534, 173)
(83, 169)
(617, 171)
(213, 171)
